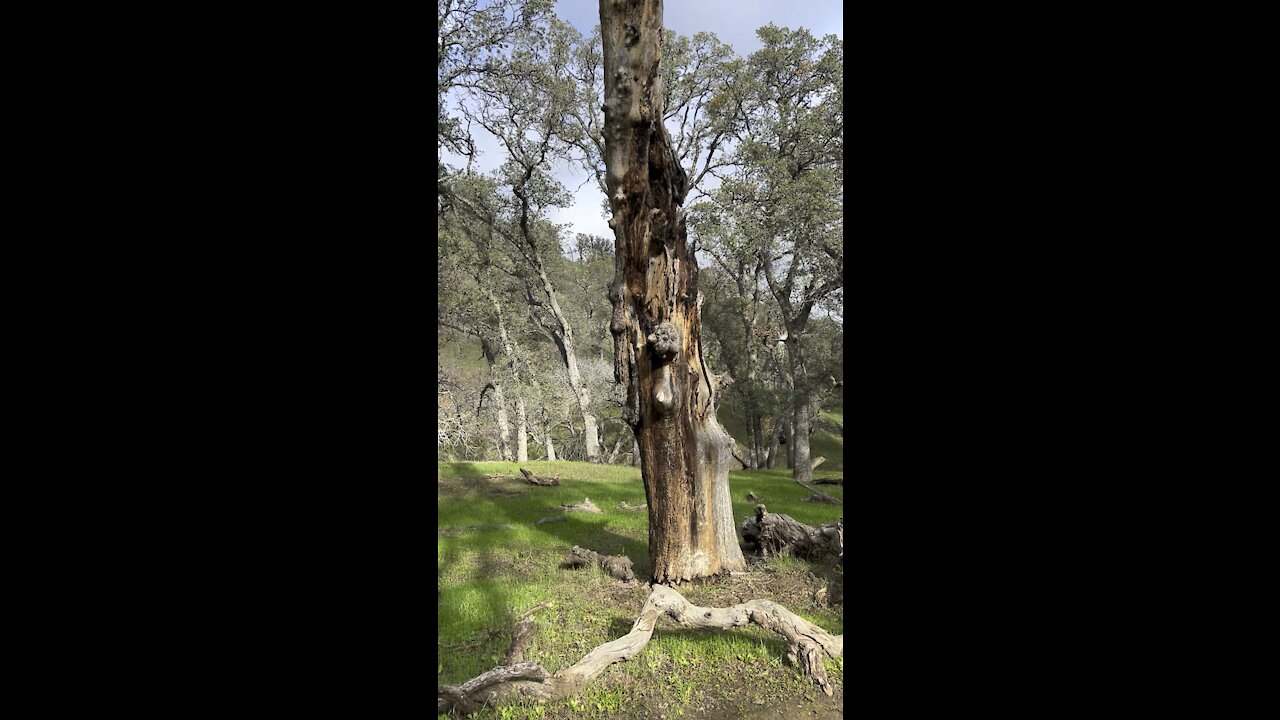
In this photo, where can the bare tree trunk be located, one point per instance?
(657, 318)
(791, 440)
(580, 391)
(775, 434)
(546, 436)
(800, 454)
(522, 432)
(504, 427)
(635, 452)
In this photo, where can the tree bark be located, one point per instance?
(775, 434)
(657, 323)
(495, 379)
(522, 431)
(546, 436)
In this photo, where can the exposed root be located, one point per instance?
(808, 645)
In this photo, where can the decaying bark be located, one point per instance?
(808, 644)
(618, 566)
(585, 506)
(657, 324)
(548, 481)
(774, 534)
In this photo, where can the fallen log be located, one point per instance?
(548, 481)
(553, 518)
(818, 497)
(623, 504)
(808, 644)
(618, 566)
(585, 506)
(816, 462)
(778, 534)
(829, 481)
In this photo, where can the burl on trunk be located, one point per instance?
(656, 324)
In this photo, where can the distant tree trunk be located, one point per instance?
(801, 458)
(546, 435)
(522, 432)
(504, 427)
(569, 355)
(791, 440)
(635, 453)
(657, 320)
(751, 452)
(775, 434)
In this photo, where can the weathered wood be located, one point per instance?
(625, 506)
(808, 644)
(657, 318)
(585, 506)
(549, 481)
(618, 566)
(818, 497)
(553, 518)
(751, 496)
(816, 462)
(773, 533)
(523, 633)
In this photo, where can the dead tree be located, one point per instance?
(618, 566)
(772, 533)
(808, 645)
(657, 319)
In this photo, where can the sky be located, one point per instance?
(733, 21)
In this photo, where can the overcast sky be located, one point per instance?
(733, 21)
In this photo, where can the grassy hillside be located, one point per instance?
(490, 575)
(827, 441)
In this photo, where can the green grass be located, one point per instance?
(488, 577)
(825, 442)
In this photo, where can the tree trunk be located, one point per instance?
(546, 436)
(791, 440)
(775, 434)
(522, 432)
(504, 427)
(657, 319)
(800, 455)
(580, 392)
(635, 452)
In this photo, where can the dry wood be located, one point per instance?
(523, 633)
(553, 518)
(818, 497)
(548, 481)
(773, 533)
(585, 506)
(618, 566)
(753, 497)
(625, 506)
(816, 462)
(808, 645)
